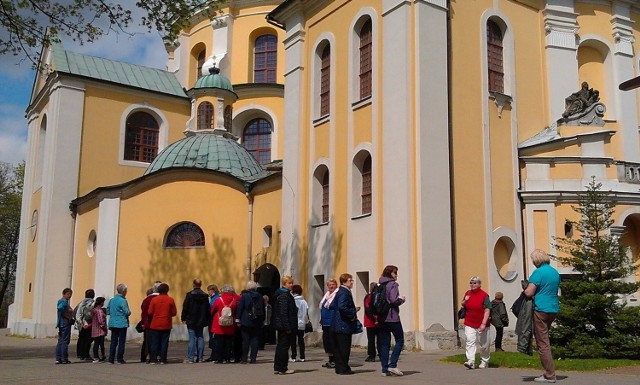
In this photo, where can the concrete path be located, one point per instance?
(30, 361)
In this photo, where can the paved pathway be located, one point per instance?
(29, 361)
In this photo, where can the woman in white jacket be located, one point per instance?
(303, 316)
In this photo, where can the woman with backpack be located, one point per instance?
(391, 323)
(223, 326)
(250, 317)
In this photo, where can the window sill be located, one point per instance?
(361, 216)
(313, 226)
(133, 163)
(501, 100)
(322, 119)
(361, 103)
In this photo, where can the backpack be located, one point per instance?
(379, 303)
(226, 315)
(82, 314)
(367, 305)
(257, 308)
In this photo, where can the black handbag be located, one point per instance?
(462, 313)
(308, 327)
(139, 327)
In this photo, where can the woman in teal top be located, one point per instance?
(544, 283)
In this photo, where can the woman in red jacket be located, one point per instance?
(371, 323)
(476, 323)
(161, 310)
(220, 326)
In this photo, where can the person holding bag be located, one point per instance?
(476, 323)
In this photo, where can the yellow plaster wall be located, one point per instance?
(266, 212)
(363, 125)
(541, 229)
(591, 69)
(215, 208)
(502, 172)
(322, 141)
(32, 252)
(565, 171)
(593, 19)
(199, 35)
(84, 266)
(104, 109)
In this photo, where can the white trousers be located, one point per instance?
(474, 336)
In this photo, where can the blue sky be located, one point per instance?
(16, 81)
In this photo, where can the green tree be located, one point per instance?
(11, 178)
(594, 320)
(24, 23)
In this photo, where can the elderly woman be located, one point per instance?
(543, 287)
(161, 311)
(224, 331)
(118, 312)
(476, 323)
(326, 319)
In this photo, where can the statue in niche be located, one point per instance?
(579, 101)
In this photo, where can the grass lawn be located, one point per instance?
(519, 360)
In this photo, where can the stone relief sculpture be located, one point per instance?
(583, 108)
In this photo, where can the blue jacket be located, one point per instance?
(285, 312)
(245, 305)
(118, 312)
(344, 312)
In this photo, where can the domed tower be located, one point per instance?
(212, 99)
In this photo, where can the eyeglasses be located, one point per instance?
(474, 283)
(350, 280)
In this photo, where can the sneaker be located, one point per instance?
(395, 371)
(292, 360)
(300, 360)
(385, 374)
(96, 361)
(162, 363)
(121, 362)
(187, 361)
(483, 365)
(370, 359)
(288, 371)
(470, 364)
(544, 380)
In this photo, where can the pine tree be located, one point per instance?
(594, 320)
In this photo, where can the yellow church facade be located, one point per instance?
(315, 137)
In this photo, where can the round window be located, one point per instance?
(91, 244)
(33, 228)
(505, 259)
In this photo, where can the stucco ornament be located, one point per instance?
(582, 108)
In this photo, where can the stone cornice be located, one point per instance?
(561, 28)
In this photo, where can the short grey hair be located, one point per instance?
(121, 288)
(227, 288)
(475, 278)
(251, 285)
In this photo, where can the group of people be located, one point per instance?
(542, 292)
(235, 322)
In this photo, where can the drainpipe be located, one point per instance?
(247, 190)
(451, 180)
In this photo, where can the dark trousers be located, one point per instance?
(98, 347)
(499, 333)
(250, 336)
(159, 344)
(326, 342)
(116, 348)
(373, 343)
(145, 349)
(299, 338)
(84, 343)
(213, 345)
(236, 347)
(225, 344)
(281, 359)
(341, 351)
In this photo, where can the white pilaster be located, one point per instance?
(221, 51)
(107, 247)
(560, 43)
(432, 173)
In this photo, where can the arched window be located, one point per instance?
(366, 47)
(265, 59)
(366, 185)
(205, 116)
(228, 118)
(495, 60)
(256, 138)
(200, 62)
(141, 137)
(325, 80)
(325, 197)
(320, 194)
(184, 235)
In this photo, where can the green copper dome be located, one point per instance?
(211, 151)
(214, 80)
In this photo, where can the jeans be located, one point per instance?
(386, 329)
(474, 335)
(541, 324)
(373, 342)
(196, 344)
(159, 344)
(299, 338)
(118, 338)
(250, 342)
(62, 347)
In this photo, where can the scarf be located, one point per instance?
(327, 299)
